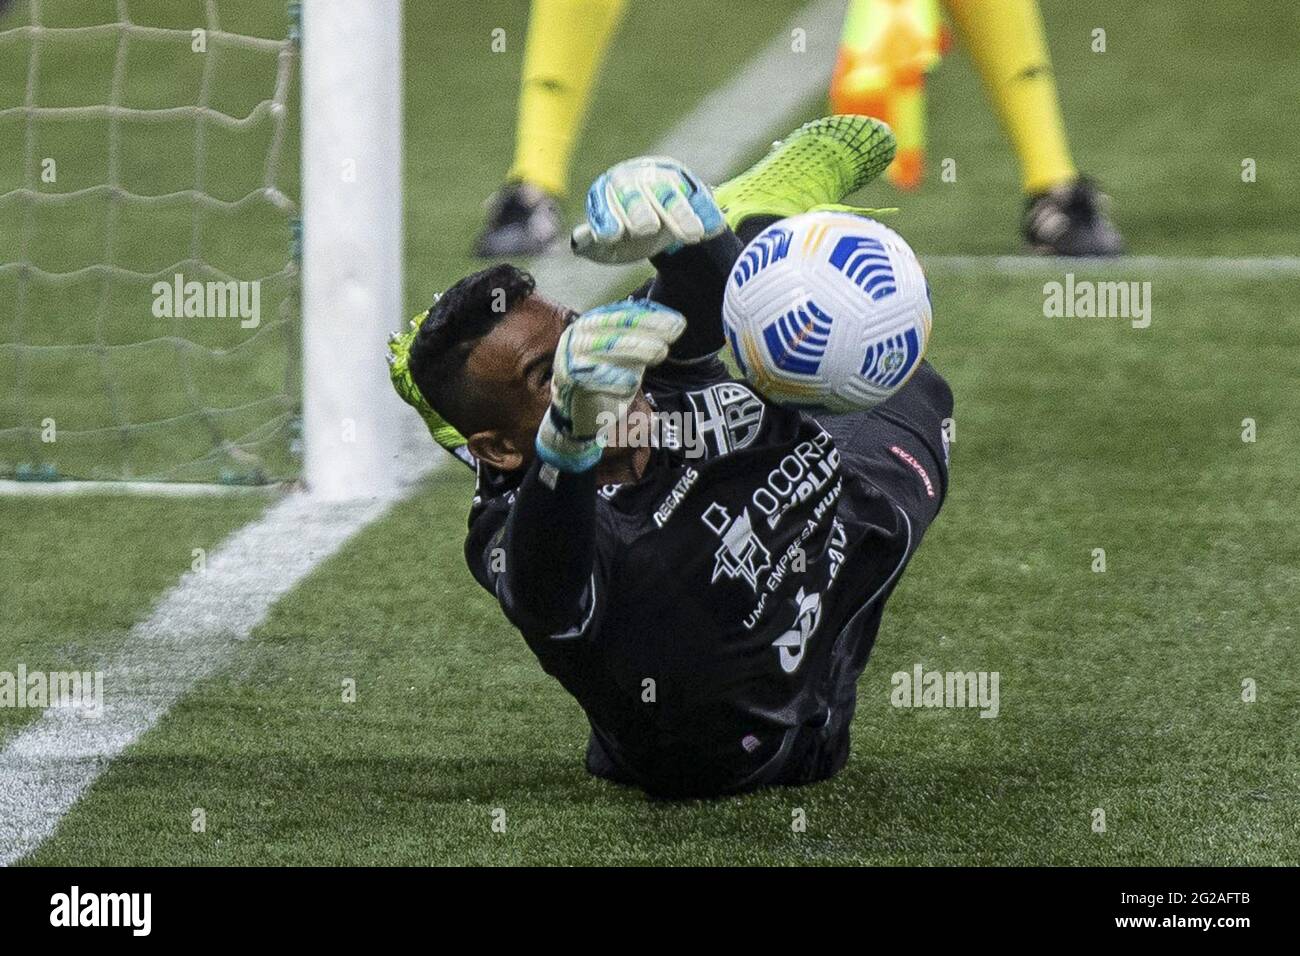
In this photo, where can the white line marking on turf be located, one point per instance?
(157, 489)
(1201, 265)
(190, 635)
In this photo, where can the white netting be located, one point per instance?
(143, 144)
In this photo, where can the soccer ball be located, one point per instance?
(827, 310)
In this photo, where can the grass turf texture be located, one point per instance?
(76, 573)
(1119, 690)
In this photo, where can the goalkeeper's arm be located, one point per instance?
(546, 586)
(545, 581)
(693, 281)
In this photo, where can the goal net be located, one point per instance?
(149, 233)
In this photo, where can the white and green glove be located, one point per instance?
(643, 207)
(599, 362)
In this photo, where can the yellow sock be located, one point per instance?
(1005, 39)
(567, 40)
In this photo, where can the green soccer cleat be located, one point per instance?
(399, 354)
(813, 168)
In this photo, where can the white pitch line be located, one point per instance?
(190, 635)
(1133, 265)
(151, 489)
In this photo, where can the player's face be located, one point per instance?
(512, 366)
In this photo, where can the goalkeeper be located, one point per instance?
(709, 604)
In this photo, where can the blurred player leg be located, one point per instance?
(886, 49)
(567, 40)
(1006, 40)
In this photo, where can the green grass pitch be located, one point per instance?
(1120, 691)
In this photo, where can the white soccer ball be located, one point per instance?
(827, 310)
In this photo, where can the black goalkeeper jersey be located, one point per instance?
(721, 580)
(701, 602)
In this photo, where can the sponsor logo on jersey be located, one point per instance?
(838, 547)
(741, 554)
(755, 615)
(675, 497)
(791, 645)
(916, 467)
(794, 559)
(866, 262)
(728, 417)
(810, 468)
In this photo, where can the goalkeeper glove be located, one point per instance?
(643, 207)
(599, 362)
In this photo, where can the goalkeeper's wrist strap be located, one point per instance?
(561, 450)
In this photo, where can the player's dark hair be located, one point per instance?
(454, 324)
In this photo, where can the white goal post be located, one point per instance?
(352, 243)
(146, 193)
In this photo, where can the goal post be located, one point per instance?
(201, 245)
(352, 243)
